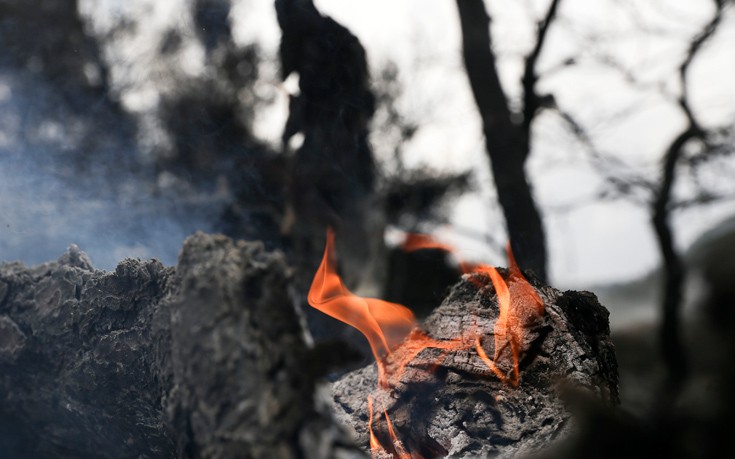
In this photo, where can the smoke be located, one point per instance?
(77, 176)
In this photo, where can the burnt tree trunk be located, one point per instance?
(452, 404)
(507, 142)
(333, 171)
(208, 360)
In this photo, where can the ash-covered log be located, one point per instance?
(208, 360)
(82, 366)
(452, 404)
(244, 381)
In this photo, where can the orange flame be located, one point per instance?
(385, 325)
(418, 241)
(398, 449)
(519, 306)
(397, 444)
(375, 445)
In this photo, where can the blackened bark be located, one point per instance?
(80, 362)
(208, 360)
(452, 404)
(507, 143)
(333, 172)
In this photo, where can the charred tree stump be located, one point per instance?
(243, 383)
(208, 360)
(333, 172)
(453, 405)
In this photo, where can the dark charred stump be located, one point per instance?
(209, 360)
(82, 370)
(454, 405)
(243, 380)
(333, 172)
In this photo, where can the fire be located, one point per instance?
(386, 325)
(397, 444)
(397, 450)
(418, 241)
(520, 306)
(374, 443)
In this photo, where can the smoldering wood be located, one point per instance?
(211, 359)
(208, 360)
(81, 371)
(454, 405)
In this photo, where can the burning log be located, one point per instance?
(208, 360)
(453, 404)
(438, 393)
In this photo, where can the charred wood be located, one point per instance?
(211, 359)
(333, 172)
(207, 360)
(454, 405)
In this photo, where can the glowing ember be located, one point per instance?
(374, 443)
(520, 306)
(385, 325)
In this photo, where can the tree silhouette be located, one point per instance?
(693, 147)
(333, 173)
(507, 133)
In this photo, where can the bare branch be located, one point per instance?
(694, 129)
(608, 166)
(632, 79)
(694, 48)
(592, 199)
(701, 199)
(532, 102)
